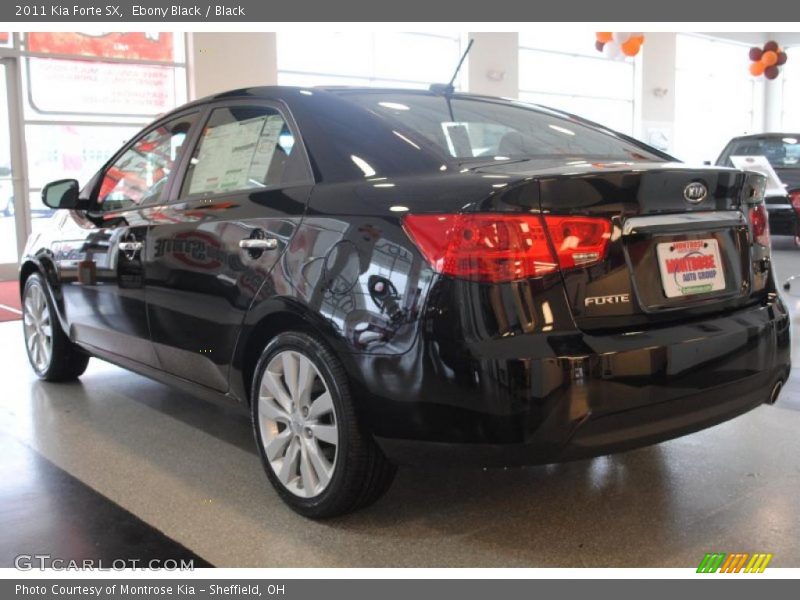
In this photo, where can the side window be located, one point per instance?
(241, 148)
(138, 176)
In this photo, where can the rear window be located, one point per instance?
(781, 152)
(467, 128)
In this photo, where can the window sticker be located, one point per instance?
(457, 137)
(236, 155)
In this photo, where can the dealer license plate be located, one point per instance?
(690, 267)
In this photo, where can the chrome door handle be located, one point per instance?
(258, 244)
(130, 246)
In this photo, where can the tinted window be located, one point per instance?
(241, 148)
(138, 176)
(472, 128)
(781, 152)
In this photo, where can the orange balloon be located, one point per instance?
(603, 36)
(757, 68)
(631, 47)
(640, 38)
(769, 58)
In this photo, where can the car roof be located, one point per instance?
(756, 136)
(278, 92)
(286, 92)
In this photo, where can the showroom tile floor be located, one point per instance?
(128, 465)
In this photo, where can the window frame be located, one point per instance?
(100, 176)
(173, 192)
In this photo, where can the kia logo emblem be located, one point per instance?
(695, 192)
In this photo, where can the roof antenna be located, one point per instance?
(449, 88)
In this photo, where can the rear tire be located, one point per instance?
(51, 353)
(316, 455)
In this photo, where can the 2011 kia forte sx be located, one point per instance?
(395, 277)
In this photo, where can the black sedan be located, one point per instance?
(782, 150)
(390, 277)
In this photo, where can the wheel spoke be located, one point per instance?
(307, 474)
(37, 352)
(32, 341)
(277, 447)
(272, 386)
(268, 408)
(305, 380)
(289, 466)
(30, 307)
(322, 467)
(39, 296)
(290, 373)
(322, 405)
(325, 433)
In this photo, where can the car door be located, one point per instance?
(100, 254)
(214, 245)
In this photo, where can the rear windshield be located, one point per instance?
(468, 128)
(781, 152)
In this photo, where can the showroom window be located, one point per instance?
(567, 73)
(716, 98)
(79, 108)
(790, 91)
(390, 59)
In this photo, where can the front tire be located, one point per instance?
(51, 353)
(314, 452)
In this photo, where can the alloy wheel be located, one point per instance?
(297, 424)
(38, 327)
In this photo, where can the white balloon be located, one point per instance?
(620, 37)
(612, 50)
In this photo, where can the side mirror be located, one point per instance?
(61, 194)
(707, 162)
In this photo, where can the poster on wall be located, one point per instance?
(86, 87)
(132, 45)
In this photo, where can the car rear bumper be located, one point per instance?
(492, 405)
(608, 434)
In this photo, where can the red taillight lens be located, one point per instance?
(578, 241)
(498, 247)
(794, 198)
(759, 221)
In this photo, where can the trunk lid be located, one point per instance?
(681, 243)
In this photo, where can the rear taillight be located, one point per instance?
(759, 221)
(578, 241)
(794, 198)
(499, 247)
